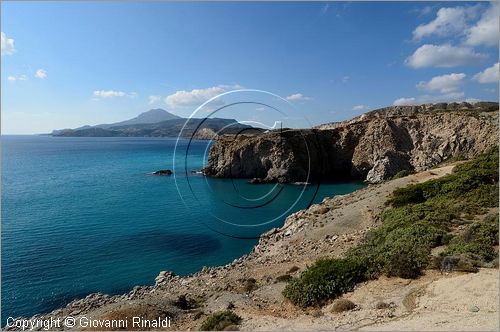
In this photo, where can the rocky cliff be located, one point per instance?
(372, 147)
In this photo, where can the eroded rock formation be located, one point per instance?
(372, 147)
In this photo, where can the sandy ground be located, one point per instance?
(430, 303)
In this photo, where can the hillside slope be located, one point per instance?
(372, 147)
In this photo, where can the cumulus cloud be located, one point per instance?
(297, 97)
(426, 99)
(444, 83)
(17, 78)
(404, 101)
(41, 73)
(448, 21)
(360, 108)
(485, 31)
(196, 97)
(113, 94)
(424, 11)
(191, 98)
(489, 75)
(153, 99)
(459, 21)
(7, 45)
(446, 56)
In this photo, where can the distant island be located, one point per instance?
(158, 123)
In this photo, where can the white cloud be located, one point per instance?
(448, 21)
(446, 55)
(489, 75)
(424, 11)
(196, 97)
(404, 101)
(485, 31)
(153, 99)
(41, 73)
(444, 83)
(7, 45)
(297, 97)
(229, 87)
(112, 94)
(17, 78)
(426, 99)
(457, 21)
(360, 108)
(345, 79)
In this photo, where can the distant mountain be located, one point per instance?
(159, 123)
(152, 116)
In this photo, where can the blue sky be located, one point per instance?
(69, 64)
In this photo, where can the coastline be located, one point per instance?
(326, 229)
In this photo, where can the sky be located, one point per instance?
(68, 64)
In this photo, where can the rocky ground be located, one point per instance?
(251, 286)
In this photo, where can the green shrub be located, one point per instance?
(185, 303)
(326, 279)
(461, 263)
(218, 321)
(478, 240)
(402, 174)
(422, 217)
(342, 305)
(283, 278)
(408, 195)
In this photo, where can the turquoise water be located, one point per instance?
(83, 215)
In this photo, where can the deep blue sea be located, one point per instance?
(84, 215)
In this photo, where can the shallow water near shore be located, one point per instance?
(84, 215)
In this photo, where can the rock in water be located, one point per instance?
(163, 172)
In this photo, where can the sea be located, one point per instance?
(86, 215)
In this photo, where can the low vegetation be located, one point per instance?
(185, 303)
(342, 305)
(402, 174)
(422, 216)
(327, 278)
(283, 278)
(249, 285)
(220, 321)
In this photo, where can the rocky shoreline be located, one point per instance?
(373, 147)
